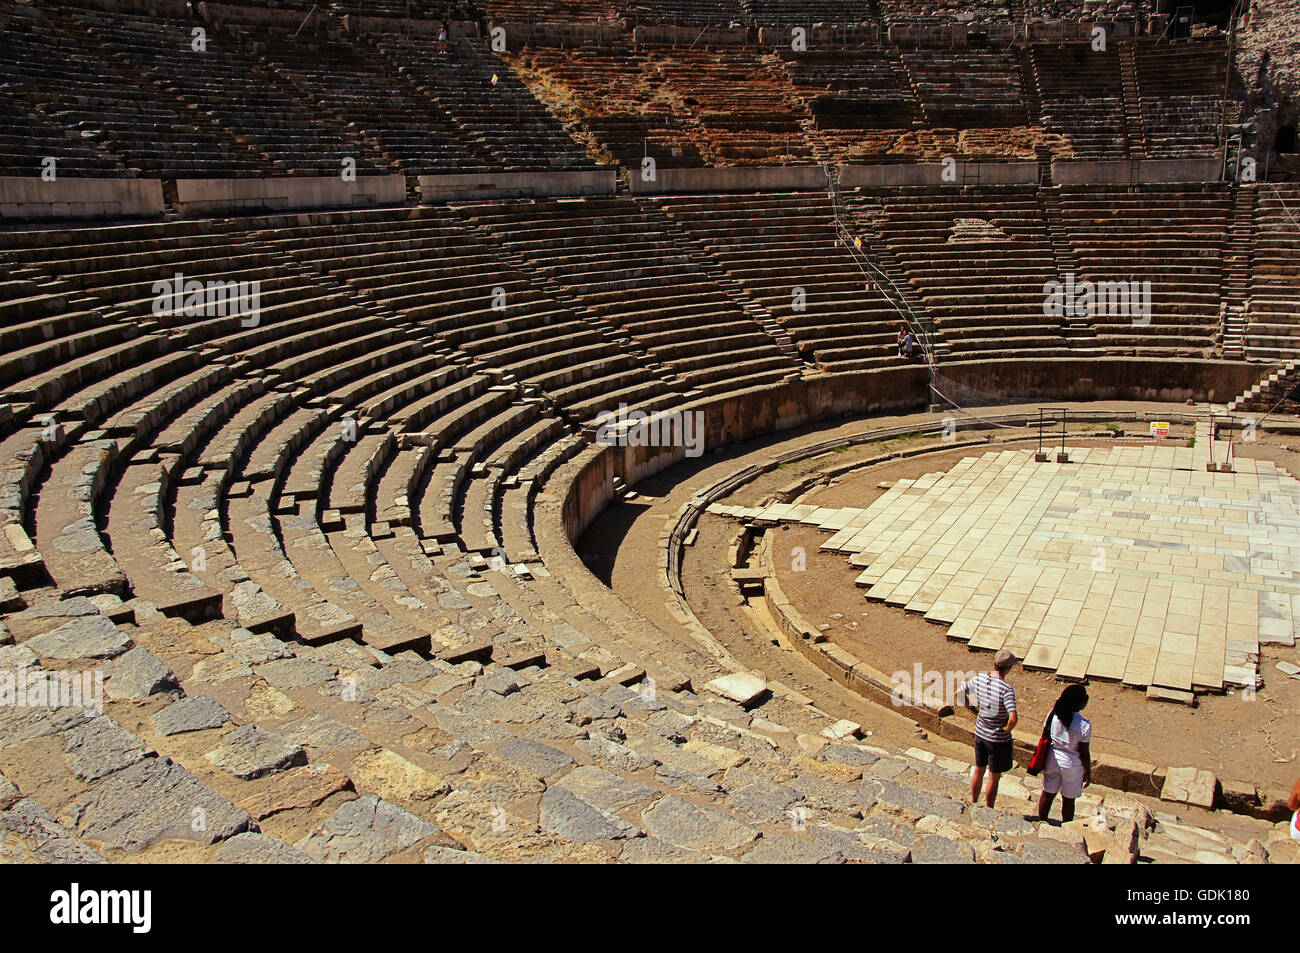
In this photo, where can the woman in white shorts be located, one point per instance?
(1069, 760)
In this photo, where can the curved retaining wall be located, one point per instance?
(746, 414)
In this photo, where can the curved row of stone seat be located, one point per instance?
(1173, 237)
(783, 251)
(978, 260)
(619, 262)
(1273, 321)
(57, 75)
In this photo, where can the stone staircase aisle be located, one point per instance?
(1281, 387)
(1238, 262)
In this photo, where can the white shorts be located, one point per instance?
(1068, 781)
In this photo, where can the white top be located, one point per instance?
(1066, 741)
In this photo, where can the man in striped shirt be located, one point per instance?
(995, 700)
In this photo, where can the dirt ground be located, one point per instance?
(1256, 740)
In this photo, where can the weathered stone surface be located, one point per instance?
(23, 723)
(90, 637)
(695, 828)
(789, 849)
(1189, 786)
(259, 849)
(534, 757)
(449, 855)
(911, 800)
(153, 801)
(847, 754)
(196, 713)
(296, 788)
(396, 778)
(251, 752)
(138, 674)
(934, 849)
(758, 800)
(14, 657)
(99, 746)
(9, 794)
(324, 734)
(286, 673)
(30, 834)
(1038, 853)
(571, 817)
(606, 791)
(615, 756)
(1000, 821)
(497, 780)
(366, 830)
(741, 687)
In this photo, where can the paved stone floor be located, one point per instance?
(1127, 563)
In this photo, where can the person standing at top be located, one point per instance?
(442, 36)
(1069, 759)
(995, 701)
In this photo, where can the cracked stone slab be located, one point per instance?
(30, 834)
(139, 674)
(297, 788)
(450, 855)
(366, 830)
(91, 637)
(196, 713)
(250, 848)
(533, 756)
(324, 734)
(289, 673)
(153, 801)
(609, 792)
(569, 816)
(696, 828)
(251, 752)
(99, 746)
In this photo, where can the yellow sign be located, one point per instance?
(1160, 428)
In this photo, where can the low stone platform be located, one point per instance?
(1129, 563)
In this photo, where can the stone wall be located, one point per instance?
(765, 410)
(34, 198)
(198, 197)
(1267, 70)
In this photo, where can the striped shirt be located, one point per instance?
(995, 700)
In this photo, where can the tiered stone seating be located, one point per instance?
(1273, 316)
(451, 10)
(622, 263)
(551, 11)
(487, 101)
(1182, 86)
(857, 88)
(967, 88)
(680, 107)
(741, 105)
(353, 86)
(65, 81)
(796, 13)
(1174, 237)
(774, 245)
(615, 96)
(978, 259)
(957, 13)
(1082, 96)
(234, 87)
(27, 138)
(697, 13)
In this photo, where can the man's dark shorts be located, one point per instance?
(994, 755)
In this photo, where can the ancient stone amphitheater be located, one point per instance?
(312, 325)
